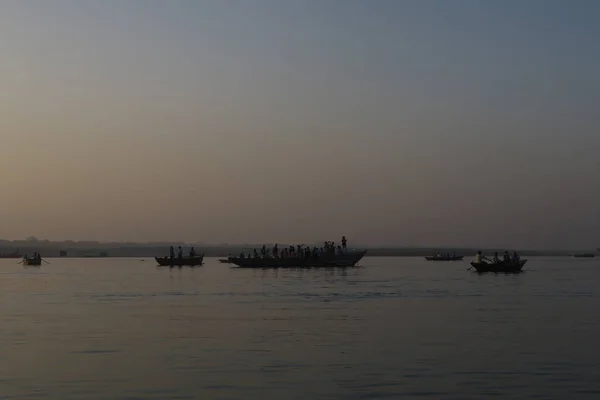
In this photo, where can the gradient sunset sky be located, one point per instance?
(471, 123)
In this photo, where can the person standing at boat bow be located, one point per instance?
(180, 252)
(171, 252)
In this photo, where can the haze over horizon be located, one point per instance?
(414, 123)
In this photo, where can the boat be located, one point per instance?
(225, 260)
(584, 255)
(444, 258)
(345, 260)
(14, 254)
(507, 267)
(32, 261)
(180, 262)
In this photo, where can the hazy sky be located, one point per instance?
(392, 122)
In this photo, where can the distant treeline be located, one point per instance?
(96, 249)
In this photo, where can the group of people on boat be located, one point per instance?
(180, 252)
(36, 256)
(445, 255)
(506, 258)
(300, 251)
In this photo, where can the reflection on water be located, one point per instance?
(123, 329)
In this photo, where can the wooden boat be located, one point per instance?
(584, 255)
(226, 260)
(32, 261)
(507, 267)
(348, 259)
(180, 262)
(444, 258)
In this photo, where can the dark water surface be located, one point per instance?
(397, 328)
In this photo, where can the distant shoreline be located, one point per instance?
(95, 250)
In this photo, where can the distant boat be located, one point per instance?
(584, 255)
(347, 259)
(225, 261)
(14, 254)
(444, 258)
(180, 262)
(506, 267)
(32, 261)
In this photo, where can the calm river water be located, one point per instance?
(397, 328)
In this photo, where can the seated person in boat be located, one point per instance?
(192, 252)
(506, 257)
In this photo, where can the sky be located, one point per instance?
(405, 123)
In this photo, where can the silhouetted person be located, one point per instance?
(171, 252)
(506, 257)
(478, 257)
(192, 252)
(179, 252)
(344, 242)
(515, 257)
(496, 258)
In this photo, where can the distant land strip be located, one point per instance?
(97, 249)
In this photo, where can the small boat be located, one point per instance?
(180, 262)
(225, 260)
(506, 267)
(444, 258)
(584, 255)
(348, 259)
(32, 261)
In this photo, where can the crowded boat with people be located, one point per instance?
(328, 255)
(444, 257)
(508, 263)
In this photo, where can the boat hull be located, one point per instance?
(349, 259)
(586, 255)
(433, 258)
(180, 262)
(32, 262)
(513, 267)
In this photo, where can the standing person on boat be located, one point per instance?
(192, 252)
(478, 257)
(275, 251)
(180, 252)
(496, 258)
(171, 252)
(515, 257)
(263, 251)
(506, 257)
(344, 242)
